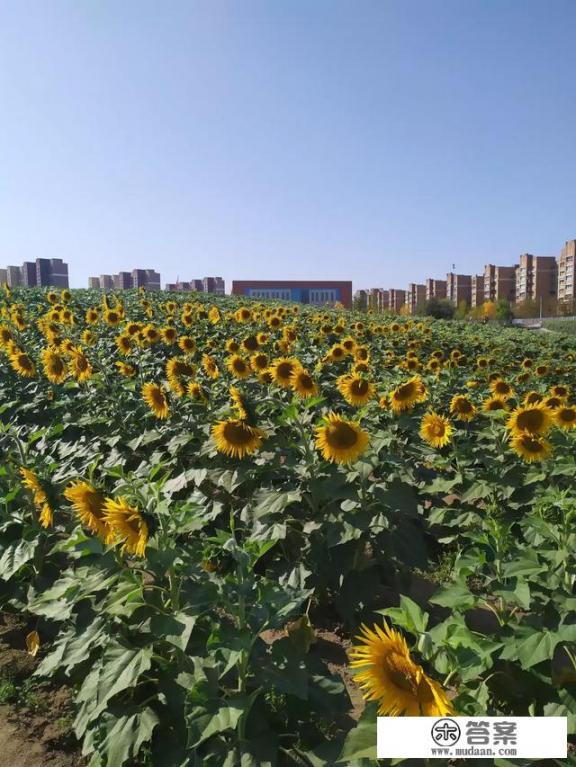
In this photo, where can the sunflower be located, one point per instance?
(80, 366)
(89, 506)
(22, 364)
(405, 396)
(492, 404)
(336, 353)
(530, 447)
(340, 440)
(552, 402)
(197, 392)
(238, 366)
(501, 388)
(560, 391)
(31, 481)
(259, 361)
(126, 525)
(126, 369)
(54, 366)
(355, 389)
(565, 417)
(169, 335)
(235, 438)
(187, 344)
(535, 419)
(390, 676)
(532, 398)
(435, 430)
(542, 370)
(250, 343)
(214, 315)
(150, 334)
(133, 328)
(112, 317)
(240, 404)
(124, 343)
(461, 408)
(303, 383)
(281, 370)
(5, 335)
(210, 366)
(243, 315)
(154, 396)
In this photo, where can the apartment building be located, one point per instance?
(123, 281)
(458, 288)
(213, 285)
(14, 276)
(536, 278)
(397, 299)
(499, 283)
(566, 281)
(415, 296)
(51, 272)
(477, 290)
(28, 274)
(435, 288)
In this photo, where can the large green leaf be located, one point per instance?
(119, 669)
(15, 555)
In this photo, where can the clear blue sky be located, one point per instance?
(373, 140)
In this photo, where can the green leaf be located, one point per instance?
(360, 742)
(119, 669)
(536, 647)
(225, 718)
(175, 628)
(126, 737)
(409, 615)
(15, 555)
(458, 596)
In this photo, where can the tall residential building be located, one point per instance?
(123, 281)
(51, 272)
(152, 279)
(28, 271)
(499, 283)
(435, 288)
(3, 276)
(458, 288)
(146, 278)
(415, 296)
(106, 282)
(375, 299)
(477, 290)
(536, 278)
(213, 285)
(397, 299)
(197, 286)
(94, 283)
(566, 275)
(384, 300)
(14, 276)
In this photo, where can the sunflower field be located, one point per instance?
(240, 530)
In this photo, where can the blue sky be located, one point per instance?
(373, 140)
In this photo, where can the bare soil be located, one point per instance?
(36, 717)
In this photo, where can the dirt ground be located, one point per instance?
(35, 718)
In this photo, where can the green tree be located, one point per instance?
(439, 308)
